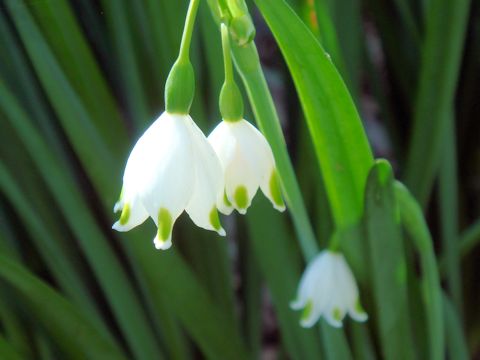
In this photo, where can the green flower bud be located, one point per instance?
(231, 103)
(180, 88)
(242, 29)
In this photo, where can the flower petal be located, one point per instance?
(133, 214)
(161, 170)
(208, 184)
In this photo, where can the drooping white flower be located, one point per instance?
(171, 168)
(248, 164)
(328, 289)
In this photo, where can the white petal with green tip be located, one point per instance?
(248, 163)
(328, 289)
(171, 168)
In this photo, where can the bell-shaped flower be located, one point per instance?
(328, 289)
(171, 168)
(248, 164)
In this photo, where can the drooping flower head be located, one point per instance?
(248, 163)
(171, 168)
(328, 289)
(244, 153)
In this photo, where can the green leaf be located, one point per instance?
(454, 333)
(388, 272)
(441, 59)
(415, 225)
(70, 328)
(111, 276)
(280, 265)
(340, 142)
(7, 351)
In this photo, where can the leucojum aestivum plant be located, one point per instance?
(174, 167)
(333, 261)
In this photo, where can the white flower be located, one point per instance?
(171, 168)
(328, 288)
(248, 164)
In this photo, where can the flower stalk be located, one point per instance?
(231, 103)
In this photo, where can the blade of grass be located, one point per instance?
(107, 268)
(44, 237)
(280, 264)
(387, 264)
(68, 106)
(60, 28)
(73, 332)
(346, 17)
(192, 305)
(340, 142)
(470, 238)
(414, 223)
(456, 345)
(448, 201)
(119, 28)
(441, 57)
(7, 351)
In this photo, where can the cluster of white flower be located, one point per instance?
(174, 167)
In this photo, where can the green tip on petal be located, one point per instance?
(275, 191)
(226, 201)
(337, 314)
(215, 222)
(125, 214)
(241, 197)
(359, 308)
(307, 310)
(164, 224)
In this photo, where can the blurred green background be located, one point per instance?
(80, 80)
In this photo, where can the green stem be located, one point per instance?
(227, 57)
(448, 201)
(442, 53)
(248, 64)
(184, 54)
(235, 8)
(470, 238)
(414, 223)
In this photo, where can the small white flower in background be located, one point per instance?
(171, 168)
(328, 289)
(248, 164)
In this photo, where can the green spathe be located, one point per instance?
(180, 87)
(242, 29)
(231, 103)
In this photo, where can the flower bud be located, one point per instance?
(180, 88)
(231, 103)
(242, 29)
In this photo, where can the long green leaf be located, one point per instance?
(98, 252)
(448, 202)
(414, 223)
(441, 57)
(387, 264)
(280, 265)
(340, 142)
(7, 351)
(72, 330)
(454, 334)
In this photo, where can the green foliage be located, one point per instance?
(81, 79)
